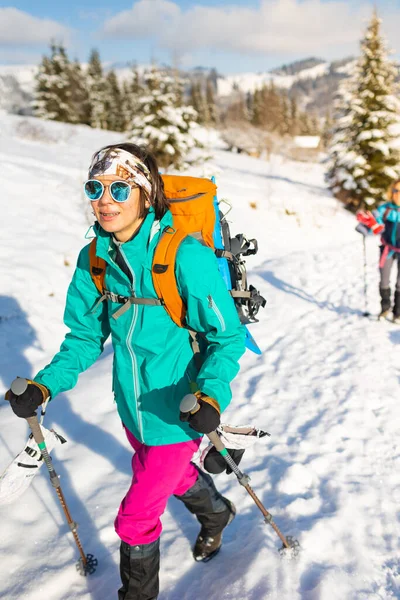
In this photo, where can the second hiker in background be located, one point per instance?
(385, 220)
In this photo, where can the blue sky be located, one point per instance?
(231, 35)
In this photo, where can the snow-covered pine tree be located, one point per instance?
(294, 116)
(256, 117)
(53, 87)
(97, 91)
(199, 103)
(43, 95)
(341, 156)
(364, 158)
(80, 104)
(131, 92)
(113, 103)
(160, 123)
(285, 125)
(211, 103)
(272, 108)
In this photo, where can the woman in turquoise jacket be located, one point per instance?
(154, 365)
(385, 220)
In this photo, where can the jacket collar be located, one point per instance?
(146, 238)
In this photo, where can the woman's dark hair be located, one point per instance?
(158, 199)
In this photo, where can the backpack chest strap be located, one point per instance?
(127, 302)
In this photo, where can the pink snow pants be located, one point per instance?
(158, 473)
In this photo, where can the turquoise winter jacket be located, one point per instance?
(153, 359)
(388, 214)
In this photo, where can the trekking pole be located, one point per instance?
(87, 563)
(366, 313)
(189, 404)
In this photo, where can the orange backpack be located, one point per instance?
(192, 206)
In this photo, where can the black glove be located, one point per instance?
(207, 418)
(26, 404)
(215, 463)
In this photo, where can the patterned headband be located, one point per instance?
(123, 164)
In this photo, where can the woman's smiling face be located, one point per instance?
(120, 218)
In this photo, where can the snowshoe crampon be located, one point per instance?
(292, 550)
(88, 567)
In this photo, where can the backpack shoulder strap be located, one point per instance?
(97, 267)
(163, 272)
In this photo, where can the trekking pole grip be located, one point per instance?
(18, 387)
(189, 404)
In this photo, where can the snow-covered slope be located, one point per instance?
(326, 387)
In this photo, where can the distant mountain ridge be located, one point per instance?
(297, 66)
(312, 80)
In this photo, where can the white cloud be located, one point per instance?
(18, 28)
(145, 19)
(274, 27)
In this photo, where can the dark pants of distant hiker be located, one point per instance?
(385, 271)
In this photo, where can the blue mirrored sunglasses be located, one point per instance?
(119, 190)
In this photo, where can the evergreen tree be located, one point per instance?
(53, 87)
(43, 90)
(250, 106)
(198, 102)
(294, 117)
(167, 129)
(79, 94)
(327, 128)
(363, 156)
(113, 106)
(131, 91)
(257, 116)
(211, 103)
(341, 159)
(272, 108)
(97, 91)
(285, 126)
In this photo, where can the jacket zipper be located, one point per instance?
(217, 312)
(136, 383)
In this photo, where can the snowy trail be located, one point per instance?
(326, 387)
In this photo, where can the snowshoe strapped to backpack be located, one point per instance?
(195, 210)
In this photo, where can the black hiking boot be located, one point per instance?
(139, 567)
(385, 302)
(207, 546)
(212, 510)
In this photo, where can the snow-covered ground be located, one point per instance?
(326, 387)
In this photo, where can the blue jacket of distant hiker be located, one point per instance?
(388, 214)
(153, 359)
